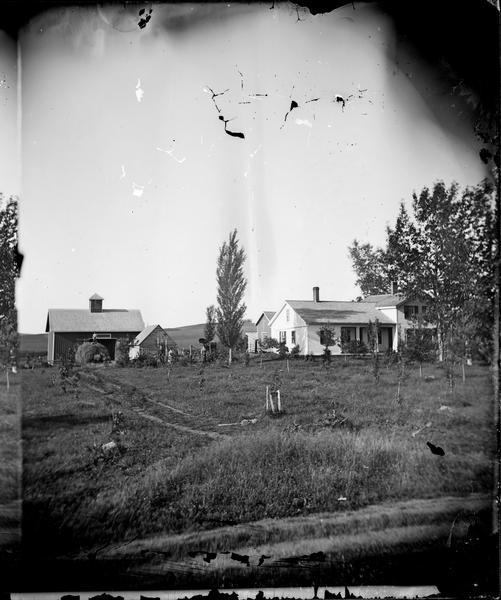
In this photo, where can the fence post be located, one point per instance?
(279, 405)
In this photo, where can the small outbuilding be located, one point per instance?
(151, 339)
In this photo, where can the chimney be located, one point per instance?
(393, 288)
(316, 294)
(95, 303)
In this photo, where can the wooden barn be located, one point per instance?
(69, 327)
(150, 341)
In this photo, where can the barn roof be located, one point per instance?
(147, 331)
(76, 320)
(334, 311)
(385, 299)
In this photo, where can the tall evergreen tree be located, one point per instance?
(231, 284)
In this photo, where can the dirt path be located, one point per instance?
(373, 527)
(214, 436)
(110, 389)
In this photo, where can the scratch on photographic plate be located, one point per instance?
(139, 91)
(171, 154)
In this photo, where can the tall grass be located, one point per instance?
(266, 475)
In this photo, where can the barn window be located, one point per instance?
(293, 337)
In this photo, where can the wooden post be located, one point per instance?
(271, 402)
(420, 370)
(190, 353)
(288, 369)
(230, 356)
(279, 405)
(464, 374)
(8, 382)
(266, 398)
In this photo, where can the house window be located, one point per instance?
(410, 311)
(103, 335)
(287, 315)
(293, 338)
(379, 337)
(282, 337)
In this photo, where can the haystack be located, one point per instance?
(91, 352)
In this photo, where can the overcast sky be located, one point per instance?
(130, 183)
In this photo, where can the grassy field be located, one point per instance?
(196, 452)
(10, 466)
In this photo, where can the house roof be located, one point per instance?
(68, 320)
(147, 331)
(266, 313)
(385, 299)
(338, 312)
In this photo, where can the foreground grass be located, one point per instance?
(10, 464)
(342, 444)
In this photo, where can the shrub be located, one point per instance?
(268, 343)
(283, 351)
(354, 347)
(122, 347)
(295, 350)
(145, 359)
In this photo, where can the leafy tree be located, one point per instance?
(210, 324)
(419, 346)
(8, 274)
(373, 344)
(444, 253)
(327, 339)
(369, 264)
(8, 246)
(231, 284)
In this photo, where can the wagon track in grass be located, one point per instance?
(184, 423)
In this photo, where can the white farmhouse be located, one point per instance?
(298, 322)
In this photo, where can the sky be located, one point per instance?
(130, 184)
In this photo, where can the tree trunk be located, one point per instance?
(229, 356)
(440, 343)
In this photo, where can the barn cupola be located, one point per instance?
(96, 303)
(316, 294)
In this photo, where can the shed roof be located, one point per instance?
(96, 297)
(147, 331)
(334, 311)
(76, 320)
(266, 313)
